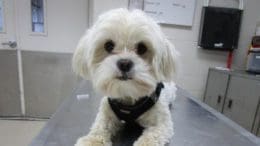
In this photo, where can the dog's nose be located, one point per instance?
(125, 65)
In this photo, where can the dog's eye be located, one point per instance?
(141, 48)
(109, 46)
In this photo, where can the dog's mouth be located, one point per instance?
(124, 77)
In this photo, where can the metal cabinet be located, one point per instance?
(216, 89)
(236, 94)
(242, 101)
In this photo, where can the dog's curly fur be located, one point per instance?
(126, 29)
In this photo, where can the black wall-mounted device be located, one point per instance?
(219, 28)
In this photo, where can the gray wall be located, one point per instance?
(10, 104)
(48, 79)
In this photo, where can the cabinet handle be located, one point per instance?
(230, 103)
(219, 99)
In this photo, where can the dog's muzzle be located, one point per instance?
(125, 66)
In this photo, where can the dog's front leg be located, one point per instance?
(158, 131)
(103, 128)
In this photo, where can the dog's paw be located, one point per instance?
(146, 142)
(92, 141)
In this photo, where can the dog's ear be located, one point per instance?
(79, 60)
(167, 62)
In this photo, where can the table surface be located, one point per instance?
(195, 124)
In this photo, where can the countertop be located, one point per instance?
(195, 123)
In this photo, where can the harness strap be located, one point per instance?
(129, 113)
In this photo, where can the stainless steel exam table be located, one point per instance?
(195, 124)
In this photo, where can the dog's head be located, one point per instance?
(125, 54)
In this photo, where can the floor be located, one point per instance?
(18, 133)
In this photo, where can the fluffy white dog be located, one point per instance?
(127, 57)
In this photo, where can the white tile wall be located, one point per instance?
(194, 61)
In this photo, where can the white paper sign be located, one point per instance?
(179, 12)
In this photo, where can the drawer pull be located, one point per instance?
(219, 99)
(230, 102)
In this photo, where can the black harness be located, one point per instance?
(129, 113)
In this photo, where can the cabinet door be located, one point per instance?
(242, 100)
(216, 89)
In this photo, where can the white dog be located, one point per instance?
(127, 57)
